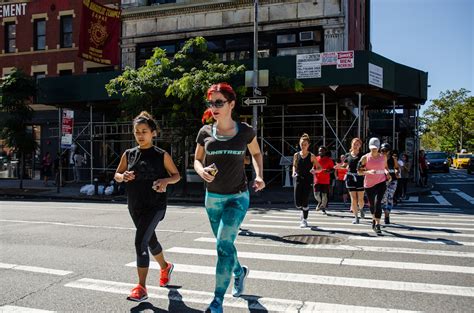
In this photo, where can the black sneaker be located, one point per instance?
(377, 230)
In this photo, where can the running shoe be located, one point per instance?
(303, 224)
(356, 220)
(377, 230)
(239, 282)
(324, 211)
(138, 294)
(165, 275)
(215, 306)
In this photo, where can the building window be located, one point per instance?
(286, 39)
(40, 34)
(10, 37)
(65, 72)
(39, 75)
(66, 31)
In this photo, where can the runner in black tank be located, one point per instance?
(303, 162)
(354, 181)
(147, 170)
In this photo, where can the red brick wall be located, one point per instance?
(357, 25)
(25, 58)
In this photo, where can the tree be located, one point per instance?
(448, 123)
(18, 90)
(174, 88)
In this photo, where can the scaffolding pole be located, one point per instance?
(324, 119)
(359, 112)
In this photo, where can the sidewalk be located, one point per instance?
(35, 189)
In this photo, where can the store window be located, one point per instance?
(40, 34)
(66, 31)
(10, 37)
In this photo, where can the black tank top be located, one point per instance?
(148, 165)
(352, 162)
(303, 166)
(391, 167)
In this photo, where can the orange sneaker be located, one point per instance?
(138, 294)
(165, 275)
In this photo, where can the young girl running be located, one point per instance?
(394, 170)
(219, 160)
(147, 170)
(303, 163)
(374, 166)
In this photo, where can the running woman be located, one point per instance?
(219, 160)
(374, 166)
(354, 181)
(322, 179)
(303, 163)
(146, 171)
(393, 170)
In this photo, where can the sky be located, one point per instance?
(435, 36)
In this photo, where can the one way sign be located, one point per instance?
(250, 101)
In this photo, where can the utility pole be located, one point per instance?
(255, 62)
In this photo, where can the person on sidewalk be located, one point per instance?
(394, 172)
(303, 162)
(423, 166)
(322, 179)
(146, 171)
(374, 166)
(405, 167)
(46, 166)
(354, 181)
(219, 160)
(340, 173)
(79, 160)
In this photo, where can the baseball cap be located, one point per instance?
(374, 143)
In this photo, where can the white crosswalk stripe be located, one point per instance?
(20, 309)
(251, 303)
(333, 280)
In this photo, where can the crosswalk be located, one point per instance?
(426, 254)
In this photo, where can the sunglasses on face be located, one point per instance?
(216, 104)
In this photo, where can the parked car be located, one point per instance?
(460, 160)
(437, 161)
(470, 165)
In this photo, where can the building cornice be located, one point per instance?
(157, 11)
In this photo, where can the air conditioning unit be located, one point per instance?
(306, 36)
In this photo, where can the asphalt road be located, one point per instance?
(78, 257)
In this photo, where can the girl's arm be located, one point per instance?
(121, 174)
(198, 164)
(160, 184)
(361, 166)
(257, 161)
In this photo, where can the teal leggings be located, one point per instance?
(226, 213)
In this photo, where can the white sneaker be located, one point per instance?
(303, 224)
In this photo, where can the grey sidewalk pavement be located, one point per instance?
(35, 189)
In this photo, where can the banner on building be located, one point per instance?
(308, 66)
(66, 129)
(345, 59)
(99, 33)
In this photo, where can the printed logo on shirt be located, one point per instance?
(226, 152)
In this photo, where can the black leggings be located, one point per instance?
(301, 192)
(375, 195)
(146, 221)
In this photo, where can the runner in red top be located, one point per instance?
(322, 179)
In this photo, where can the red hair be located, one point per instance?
(223, 88)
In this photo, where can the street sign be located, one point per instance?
(254, 101)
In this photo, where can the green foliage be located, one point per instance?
(17, 90)
(174, 87)
(448, 123)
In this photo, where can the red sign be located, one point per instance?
(99, 35)
(67, 125)
(345, 59)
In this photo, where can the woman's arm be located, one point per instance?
(257, 161)
(160, 184)
(121, 174)
(316, 164)
(361, 165)
(198, 164)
